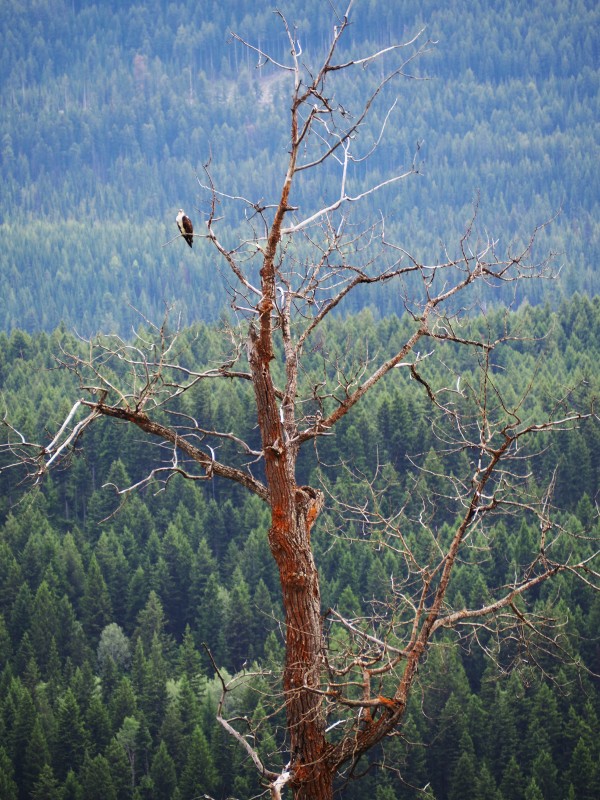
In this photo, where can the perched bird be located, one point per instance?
(184, 224)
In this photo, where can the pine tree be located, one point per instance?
(71, 568)
(115, 570)
(384, 791)
(545, 773)
(24, 721)
(445, 754)
(154, 698)
(583, 773)
(464, 781)
(188, 703)
(544, 724)
(71, 739)
(37, 756)
(212, 616)
(8, 787)
(512, 785)
(5, 642)
(20, 615)
(533, 791)
(96, 781)
(151, 622)
(46, 787)
(163, 774)
(144, 745)
(95, 603)
(178, 556)
(10, 578)
(71, 788)
(54, 676)
(31, 675)
(239, 621)
(84, 685)
(171, 733)
(486, 784)
(97, 724)
(120, 769)
(44, 623)
(122, 703)
(138, 667)
(199, 775)
(203, 566)
(503, 737)
(189, 660)
(110, 678)
(137, 595)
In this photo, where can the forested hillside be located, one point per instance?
(106, 688)
(109, 110)
(122, 615)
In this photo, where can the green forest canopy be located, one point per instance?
(109, 110)
(105, 680)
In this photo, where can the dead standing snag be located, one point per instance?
(292, 271)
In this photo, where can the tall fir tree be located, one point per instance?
(95, 603)
(163, 774)
(71, 737)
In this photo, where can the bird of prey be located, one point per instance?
(184, 224)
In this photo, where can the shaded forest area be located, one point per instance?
(109, 110)
(107, 690)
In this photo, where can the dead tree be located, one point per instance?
(295, 267)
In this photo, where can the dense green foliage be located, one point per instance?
(106, 687)
(108, 111)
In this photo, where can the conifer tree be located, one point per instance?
(5, 643)
(122, 703)
(97, 724)
(239, 621)
(20, 732)
(96, 780)
(163, 774)
(71, 788)
(120, 770)
(95, 602)
(46, 787)
(512, 784)
(582, 773)
(151, 622)
(37, 756)
(189, 659)
(463, 782)
(545, 775)
(153, 701)
(533, 791)
(199, 775)
(8, 787)
(71, 739)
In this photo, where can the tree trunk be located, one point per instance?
(290, 545)
(293, 512)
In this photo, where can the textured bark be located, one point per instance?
(293, 512)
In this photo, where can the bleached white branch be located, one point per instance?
(278, 784)
(345, 198)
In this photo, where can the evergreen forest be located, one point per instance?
(107, 689)
(108, 111)
(114, 615)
